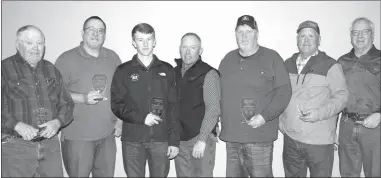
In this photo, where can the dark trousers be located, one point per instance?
(298, 156)
(20, 158)
(249, 159)
(358, 146)
(188, 166)
(135, 155)
(84, 157)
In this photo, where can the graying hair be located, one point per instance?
(21, 30)
(371, 24)
(191, 34)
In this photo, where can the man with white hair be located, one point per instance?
(359, 135)
(35, 104)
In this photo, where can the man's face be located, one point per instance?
(308, 41)
(246, 37)
(361, 35)
(190, 49)
(94, 34)
(144, 43)
(31, 46)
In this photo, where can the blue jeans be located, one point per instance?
(249, 159)
(188, 166)
(298, 156)
(82, 157)
(21, 158)
(135, 155)
(358, 147)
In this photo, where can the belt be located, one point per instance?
(6, 136)
(355, 116)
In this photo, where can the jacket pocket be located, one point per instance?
(260, 79)
(160, 84)
(19, 87)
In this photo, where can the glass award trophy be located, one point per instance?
(156, 106)
(99, 82)
(41, 114)
(247, 109)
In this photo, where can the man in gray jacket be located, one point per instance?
(319, 93)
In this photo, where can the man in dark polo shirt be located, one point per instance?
(255, 89)
(33, 97)
(359, 135)
(198, 89)
(143, 95)
(88, 143)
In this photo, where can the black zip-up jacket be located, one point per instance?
(132, 88)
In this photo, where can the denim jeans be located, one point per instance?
(82, 157)
(21, 158)
(188, 166)
(249, 159)
(298, 156)
(358, 147)
(135, 155)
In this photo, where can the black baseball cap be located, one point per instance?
(247, 20)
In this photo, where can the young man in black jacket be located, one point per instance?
(143, 95)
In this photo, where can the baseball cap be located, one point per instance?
(309, 24)
(247, 20)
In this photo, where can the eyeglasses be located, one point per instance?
(363, 32)
(93, 30)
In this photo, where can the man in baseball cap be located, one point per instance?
(247, 20)
(309, 121)
(255, 89)
(309, 24)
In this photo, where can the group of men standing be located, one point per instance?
(164, 113)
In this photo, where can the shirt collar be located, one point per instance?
(21, 60)
(373, 52)
(308, 58)
(85, 54)
(136, 61)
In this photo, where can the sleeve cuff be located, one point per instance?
(203, 137)
(13, 123)
(175, 143)
(266, 115)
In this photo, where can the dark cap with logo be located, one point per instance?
(309, 24)
(247, 20)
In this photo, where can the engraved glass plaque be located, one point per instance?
(99, 82)
(157, 105)
(247, 109)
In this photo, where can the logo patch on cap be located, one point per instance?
(245, 18)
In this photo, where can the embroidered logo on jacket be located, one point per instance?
(134, 77)
(162, 74)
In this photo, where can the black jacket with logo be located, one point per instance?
(132, 90)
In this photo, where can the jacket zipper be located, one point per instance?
(149, 94)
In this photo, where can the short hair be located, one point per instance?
(21, 30)
(191, 34)
(371, 24)
(143, 28)
(93, 18)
